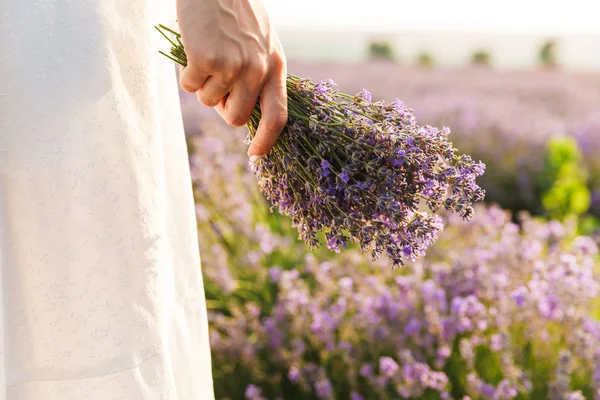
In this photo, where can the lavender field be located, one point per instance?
(502, 307)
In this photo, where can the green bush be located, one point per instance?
(481, 57)
(564, 180)
(547, 54)
(381, 50)
(425, 60)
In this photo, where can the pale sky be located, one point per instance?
(494, 16)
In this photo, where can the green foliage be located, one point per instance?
(481, 57)
(456, 369)
(381, 50)
(589, 225)
(547, 54)
(425, 60)
(487, 365)
(563, 180)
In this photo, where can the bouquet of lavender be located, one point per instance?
(357, 170)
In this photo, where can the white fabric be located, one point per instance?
(102, 293)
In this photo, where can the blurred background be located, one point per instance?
(513, 31)
(503, 307)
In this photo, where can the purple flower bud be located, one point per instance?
(458, 305)
(293, 374)
(487, 390)
(323, 389)
(344, 176)
(345, 283)
(366, 370)
(444, 352)
(333, 244)
(325, 168)
(496, 342)
(585, 245)
(413, 327)
(403, 391)
(399, 105)
(275, 274)
(252, 392)
(382, 381)
(548, 308)
(408, 372)
(365, 95)
(506, 390)
(355, 396)
(387, 366)
(519, 295)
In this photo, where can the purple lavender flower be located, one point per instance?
(366, 370)
(387, 366)
(408, 372)
(344, 177)
(506, 390)
(316, 173)
(519, 295)
(482, 263)
(346, 283)
(487, 390)
(365, 95)
(325, 168)
(496, 342)
(404, 392)
(333, 244)
(444, 352)
(585, 245)
(356, 396)
(413, 327)
(253, 392)
(293, 374)
(275, 274)
(398, 160)
(323, 389)
(382, 381)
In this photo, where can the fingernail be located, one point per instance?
(255, 158)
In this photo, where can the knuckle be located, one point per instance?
(208, 61)
(187, 86)
(231, 70)
(206, 100)
(258, 67)
(187, 81)
(278, 61)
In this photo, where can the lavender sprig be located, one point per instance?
(357, 170)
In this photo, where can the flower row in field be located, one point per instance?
(495, 311)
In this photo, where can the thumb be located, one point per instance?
(274, 109)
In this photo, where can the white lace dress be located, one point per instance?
(101, 288)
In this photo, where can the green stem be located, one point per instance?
(166, 37)
(169, 56)
(177, 34)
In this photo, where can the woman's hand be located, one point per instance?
(234, 58)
